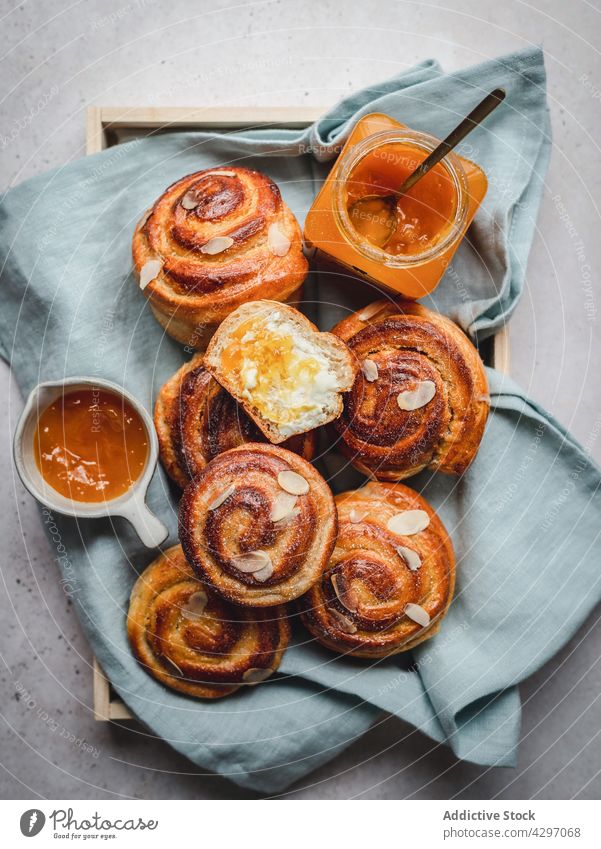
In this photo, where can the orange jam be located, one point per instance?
(286, 377)
(424, 214)
(432, 217)
(90, 445)
(262, 352)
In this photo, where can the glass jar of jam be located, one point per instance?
(410, 252)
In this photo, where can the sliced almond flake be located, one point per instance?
(145, 217)
(149, 272)
(221, 174)
(344, 623)
(417, 613)
(217, 245)
(413, 399)
(173, 664)
(356, 516)
(370, 370)
(190, 200)
(337, 590)
(340, 595)
(371, 310)
(373, 490)
(251, 561)
(408, 522)
(293, 483)
(221, 498)
(283, 505)
(411, 557)
(295, 512)
(277, 240)
(256, 676)
(195, 606)
(484, 398)
(265, 573)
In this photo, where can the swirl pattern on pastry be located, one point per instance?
(387, 584)
(421, 399)
(214, 240)
(258, 524)
(190, 639)
(196, 419)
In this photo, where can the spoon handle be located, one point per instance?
(476, 116)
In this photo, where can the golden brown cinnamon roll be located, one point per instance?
(212, 241)
(196, 419)
(258, 524)
(390, 578)
(421, 399)
(191, 640)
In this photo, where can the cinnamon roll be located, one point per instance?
(390, 578)
(258, 524)
(196, 419)
(212, 241)
(421, 398)
(190, 639)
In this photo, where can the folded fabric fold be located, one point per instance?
(524, 520)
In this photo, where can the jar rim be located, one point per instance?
(351, 159)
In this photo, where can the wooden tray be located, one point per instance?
(107, 126)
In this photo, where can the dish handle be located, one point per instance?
(148, 527)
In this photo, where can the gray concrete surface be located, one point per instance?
(57, 58)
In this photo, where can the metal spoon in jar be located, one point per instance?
(375, 216)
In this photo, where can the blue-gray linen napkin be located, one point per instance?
(524, 520)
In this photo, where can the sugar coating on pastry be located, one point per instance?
(287, 375)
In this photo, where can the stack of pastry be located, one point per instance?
(372, 571)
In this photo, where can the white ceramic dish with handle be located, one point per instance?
(131, 505)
